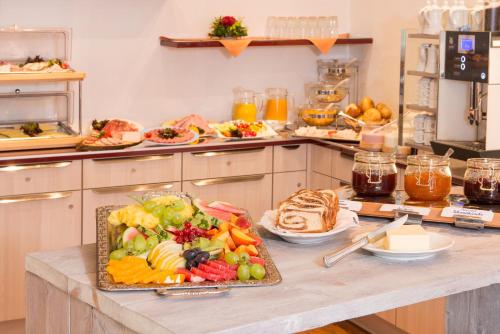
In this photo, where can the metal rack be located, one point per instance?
(410, 42)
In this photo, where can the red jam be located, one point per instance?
(367, 186)
(487, 193)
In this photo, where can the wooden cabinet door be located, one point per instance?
(320, 181)
(285, 184)
(290, 158)
(217, 164)
(94, 198)
(251, 192)
(101, 173)
(342, 167)
(32, 223)
(321, 160)
(422, 318)
(40, 178)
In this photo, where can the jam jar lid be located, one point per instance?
(428, 160)
(484, 163)
(375, 157)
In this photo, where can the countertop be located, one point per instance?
(58, 155)
(309, 295)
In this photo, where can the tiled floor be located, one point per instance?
(12, 327)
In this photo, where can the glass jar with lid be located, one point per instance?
(428, 178)
(374, 174)
(482, 181)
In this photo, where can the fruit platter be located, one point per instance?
(169, 240)
(344, 135)
(241, 130)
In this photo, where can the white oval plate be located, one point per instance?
(439, 243)
(345, 219)
(153, 143)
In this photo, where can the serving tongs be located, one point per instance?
(193, 292)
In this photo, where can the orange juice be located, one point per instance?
(276, 109)
(245, 111)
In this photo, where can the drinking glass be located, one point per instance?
(313, 27)
(272, 27)
(332, 26)
(281, 27)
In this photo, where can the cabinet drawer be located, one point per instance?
(285, 184)
(94, 198)
(251, 192)
(214, 164)
(290, 158)
(41, 178)
(321, 160)
(342, 167)
(31, 223)
(100, 173)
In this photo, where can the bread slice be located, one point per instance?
(308, 211)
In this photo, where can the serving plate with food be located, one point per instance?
(409, 243)
(192, 122)
(169, 240)
(344, 135)
(36, 64)
(170, 136)
(112, 134)
(242, 130)
(309, 217)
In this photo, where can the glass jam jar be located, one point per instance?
(374, 174)
(482, 181)
(428, 178)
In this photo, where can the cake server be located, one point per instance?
(330, 259)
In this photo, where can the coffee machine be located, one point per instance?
(468, 118)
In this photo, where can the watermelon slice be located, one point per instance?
(227, 207)
(207, 210)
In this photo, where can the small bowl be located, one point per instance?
(317, 116)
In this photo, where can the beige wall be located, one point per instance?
(382, 20)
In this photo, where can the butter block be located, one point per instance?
(407, 238)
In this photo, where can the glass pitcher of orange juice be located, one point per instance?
(277, 104)
(247, 105)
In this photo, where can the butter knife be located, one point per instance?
(330, 259)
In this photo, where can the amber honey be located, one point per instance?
(427, 186)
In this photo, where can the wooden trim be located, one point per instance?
(41, 77)
(213, 43)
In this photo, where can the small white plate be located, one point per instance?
(345, 219)
(439, 243)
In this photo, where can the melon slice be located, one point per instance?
(227, 207)
(212, 212)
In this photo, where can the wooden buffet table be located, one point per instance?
(62, 294)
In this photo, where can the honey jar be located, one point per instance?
(428, 178)
(374, 174)
(481, 181)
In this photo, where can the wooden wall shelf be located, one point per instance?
(211, 43)
(38, 77)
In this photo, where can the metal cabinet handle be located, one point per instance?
(136, 159)
(17, 168)
(227, 152)
(34, 197)
(291, 147)
(226, 180)
(134, 189)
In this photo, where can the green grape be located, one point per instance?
(244, 258)
(243, 272)
(177, 219)
(152, 242)
(232, 258)
(129, 246)
(140, 243)
(257, 271)
(149, 206)
(178, 205)
(157, 211)
(118, 254)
